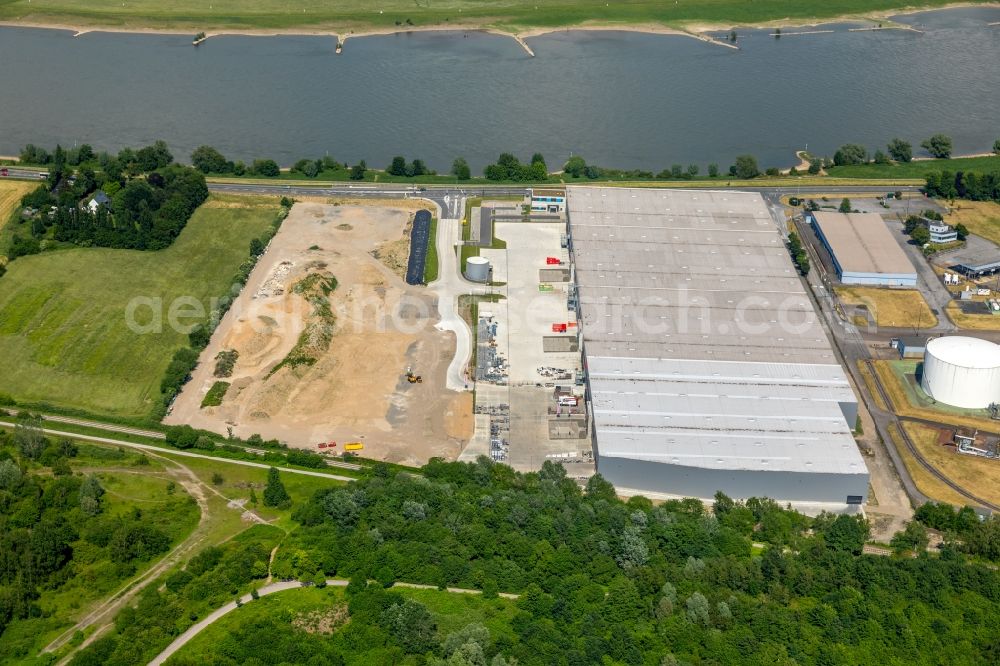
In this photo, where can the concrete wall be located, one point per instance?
(703, 483)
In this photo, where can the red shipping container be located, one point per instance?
(552, 260)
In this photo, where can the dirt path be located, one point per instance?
(110, 607)
(106, 611)
(281, 586)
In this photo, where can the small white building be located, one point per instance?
(941, 232)
(548, 201)
(99, 199)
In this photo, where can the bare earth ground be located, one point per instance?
(356, 390)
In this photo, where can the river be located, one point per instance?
(617, 98)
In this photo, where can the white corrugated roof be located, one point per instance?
(702, 346)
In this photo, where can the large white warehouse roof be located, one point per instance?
(703, 350)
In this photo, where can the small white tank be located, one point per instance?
(962, 371)
(477, 269)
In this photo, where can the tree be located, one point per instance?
(209, 160)
(996, 146)
(962, 231)
(10, 475)
(745, 167)
(845, 205)
(921, 235)
(358, 170)
(575, 166)
(849, 154)
(411, 625)
(274, 493)
(91, 493)
(815, 166)
(29, 438)
(938, 146)
(847, 534)
(460, 169)
(398, 166)
(912, 539)
(880, 158)
(713, 170)
(266, 168)
(697, 609)
(153, 157)
(217, 479)
(900, 150)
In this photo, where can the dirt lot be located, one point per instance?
(314, 368)
(891, 307)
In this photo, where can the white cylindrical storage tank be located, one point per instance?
(477, 269)
(962, 371)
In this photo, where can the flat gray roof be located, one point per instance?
(702, 346)
(862, 243)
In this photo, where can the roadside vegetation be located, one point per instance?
(192, 15)
(979, 476)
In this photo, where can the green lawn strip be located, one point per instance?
(917, 169)
(431, 262)
(63, 327)
(401, 14)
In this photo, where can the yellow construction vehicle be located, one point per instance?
(412, 378)
(353, 446)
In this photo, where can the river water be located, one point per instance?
(617, 98)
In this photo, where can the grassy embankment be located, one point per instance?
(896, 308)
(926, 482)
(402, 14)
(287, 609)
(917, 169)
(909, 400)
(979, 476)
(63, 330)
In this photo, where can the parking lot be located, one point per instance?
(527, 347)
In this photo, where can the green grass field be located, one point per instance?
(918, 169)
(63, 331)
(451, 612)
(388, 14)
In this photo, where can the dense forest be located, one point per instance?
(968, 185)
(149, 199)
(600, 580)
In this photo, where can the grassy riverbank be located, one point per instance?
(389, 15)
(917, 168)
